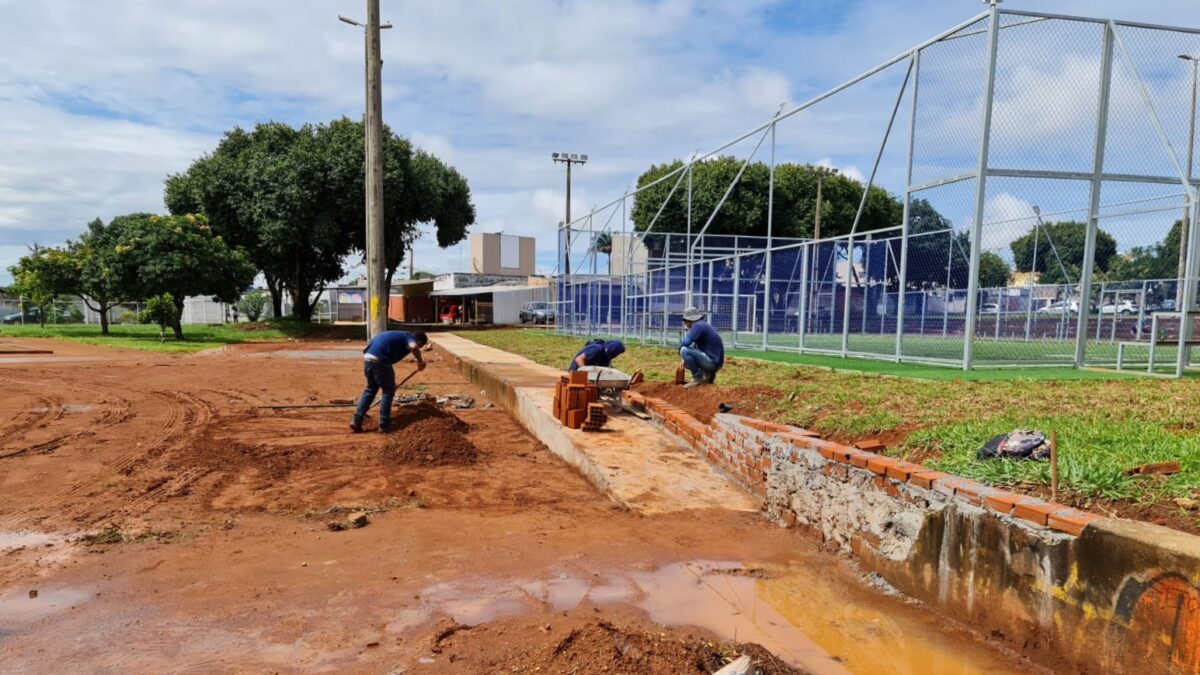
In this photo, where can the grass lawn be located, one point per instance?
(145, 337)
(940, 416)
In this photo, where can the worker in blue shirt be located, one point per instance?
(385, 349)
(701, 348)
(597, 353)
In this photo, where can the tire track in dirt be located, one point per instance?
(22, 423)
(110, 414)
(182, 410)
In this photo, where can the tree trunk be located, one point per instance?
(177, 325)
(275, 290)
(301, 305)
(104, 319)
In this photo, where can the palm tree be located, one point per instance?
(602, 243)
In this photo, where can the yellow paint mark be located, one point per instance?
(374, 307)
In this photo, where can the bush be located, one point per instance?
(128, 316)
(252, 305)
(74, 315)
(160, 309)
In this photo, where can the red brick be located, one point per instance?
(827, 453)
(925, 477)
(1071, 521)
(578, 377)
(969, 490)
(1002, 502)
(1035, 510)
(575, 418)
(880, 465)
(859, 460)
(870, 445)
(902, 470)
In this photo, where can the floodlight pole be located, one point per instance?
(568, 159)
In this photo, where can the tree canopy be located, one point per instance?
(745, 211)
(1156, 261)
(179, 255)
(1067, 239)
(293, 198)
(41, 276)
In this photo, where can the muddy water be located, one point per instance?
(812, 620)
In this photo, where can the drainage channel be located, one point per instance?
(809, 617)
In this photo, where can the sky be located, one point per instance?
(99, 101)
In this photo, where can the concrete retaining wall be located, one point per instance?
(1069, 588)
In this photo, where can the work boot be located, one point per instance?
(385, 428)
(356, 427)
(696, 382)
(710, 378)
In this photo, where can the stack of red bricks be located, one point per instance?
(746, 449)
(573, 401)
(596, 417)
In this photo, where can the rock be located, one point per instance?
(357, 519)
(1186, 503)
(304, 564)
(336, 525)
(32, 594)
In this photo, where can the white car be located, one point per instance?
(1061, 307)
(1122, 307)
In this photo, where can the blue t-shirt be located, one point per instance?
(390, 346)
(705, 338)
(594, 354)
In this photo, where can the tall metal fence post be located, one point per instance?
(689, 234)
(846, 305)
(1093, 208)
(768, 301)
(666, 298)
(737, 293)
(1191, 262)
(802, 319)
(904, 225)
(981, 192)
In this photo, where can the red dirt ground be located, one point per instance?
(212, 554)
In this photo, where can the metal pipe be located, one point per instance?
(905, 229)
(769, 300)
(1093, 221)
(981, 193)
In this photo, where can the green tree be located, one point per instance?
(42, 275)
(252, 304)
(603, 243)
(161, 310)
(179, 255)
(745, 211)
(293, 198)
(98, 268)
(1156, 261)
(933, 244)
(993, 271)
(1068, 239)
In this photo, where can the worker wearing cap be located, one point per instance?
(701, 348)
(597, 353)
(384, 350)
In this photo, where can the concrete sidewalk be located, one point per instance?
(637, 464)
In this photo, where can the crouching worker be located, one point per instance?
(385, 349)
(701, 348)
(597, 353)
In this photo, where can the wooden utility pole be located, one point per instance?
(377, 291)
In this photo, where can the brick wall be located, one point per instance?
(1061, 585)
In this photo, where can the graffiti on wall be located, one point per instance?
(1164, 621)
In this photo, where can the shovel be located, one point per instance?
(398, 385)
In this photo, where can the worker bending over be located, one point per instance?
(701, 348)
(381, 352)
(597, 353)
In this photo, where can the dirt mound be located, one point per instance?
(599, 646)
(426, 435)
(702, 402)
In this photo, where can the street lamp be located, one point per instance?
(568, 159)
(1185, 225)
(373, 245)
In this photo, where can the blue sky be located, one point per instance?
(100, 101)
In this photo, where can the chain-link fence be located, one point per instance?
(1041, 211)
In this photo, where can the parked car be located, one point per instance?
(1061, 307)
(1122, 307)
(989, 308)
(32, 316)
(537, 312)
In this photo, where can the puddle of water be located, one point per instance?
(66, 408)
(811, 620)
(17, 608)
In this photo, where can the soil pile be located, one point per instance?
(426, 435)
(599, 646)
(702, 402)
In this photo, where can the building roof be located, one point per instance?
(483, 290)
